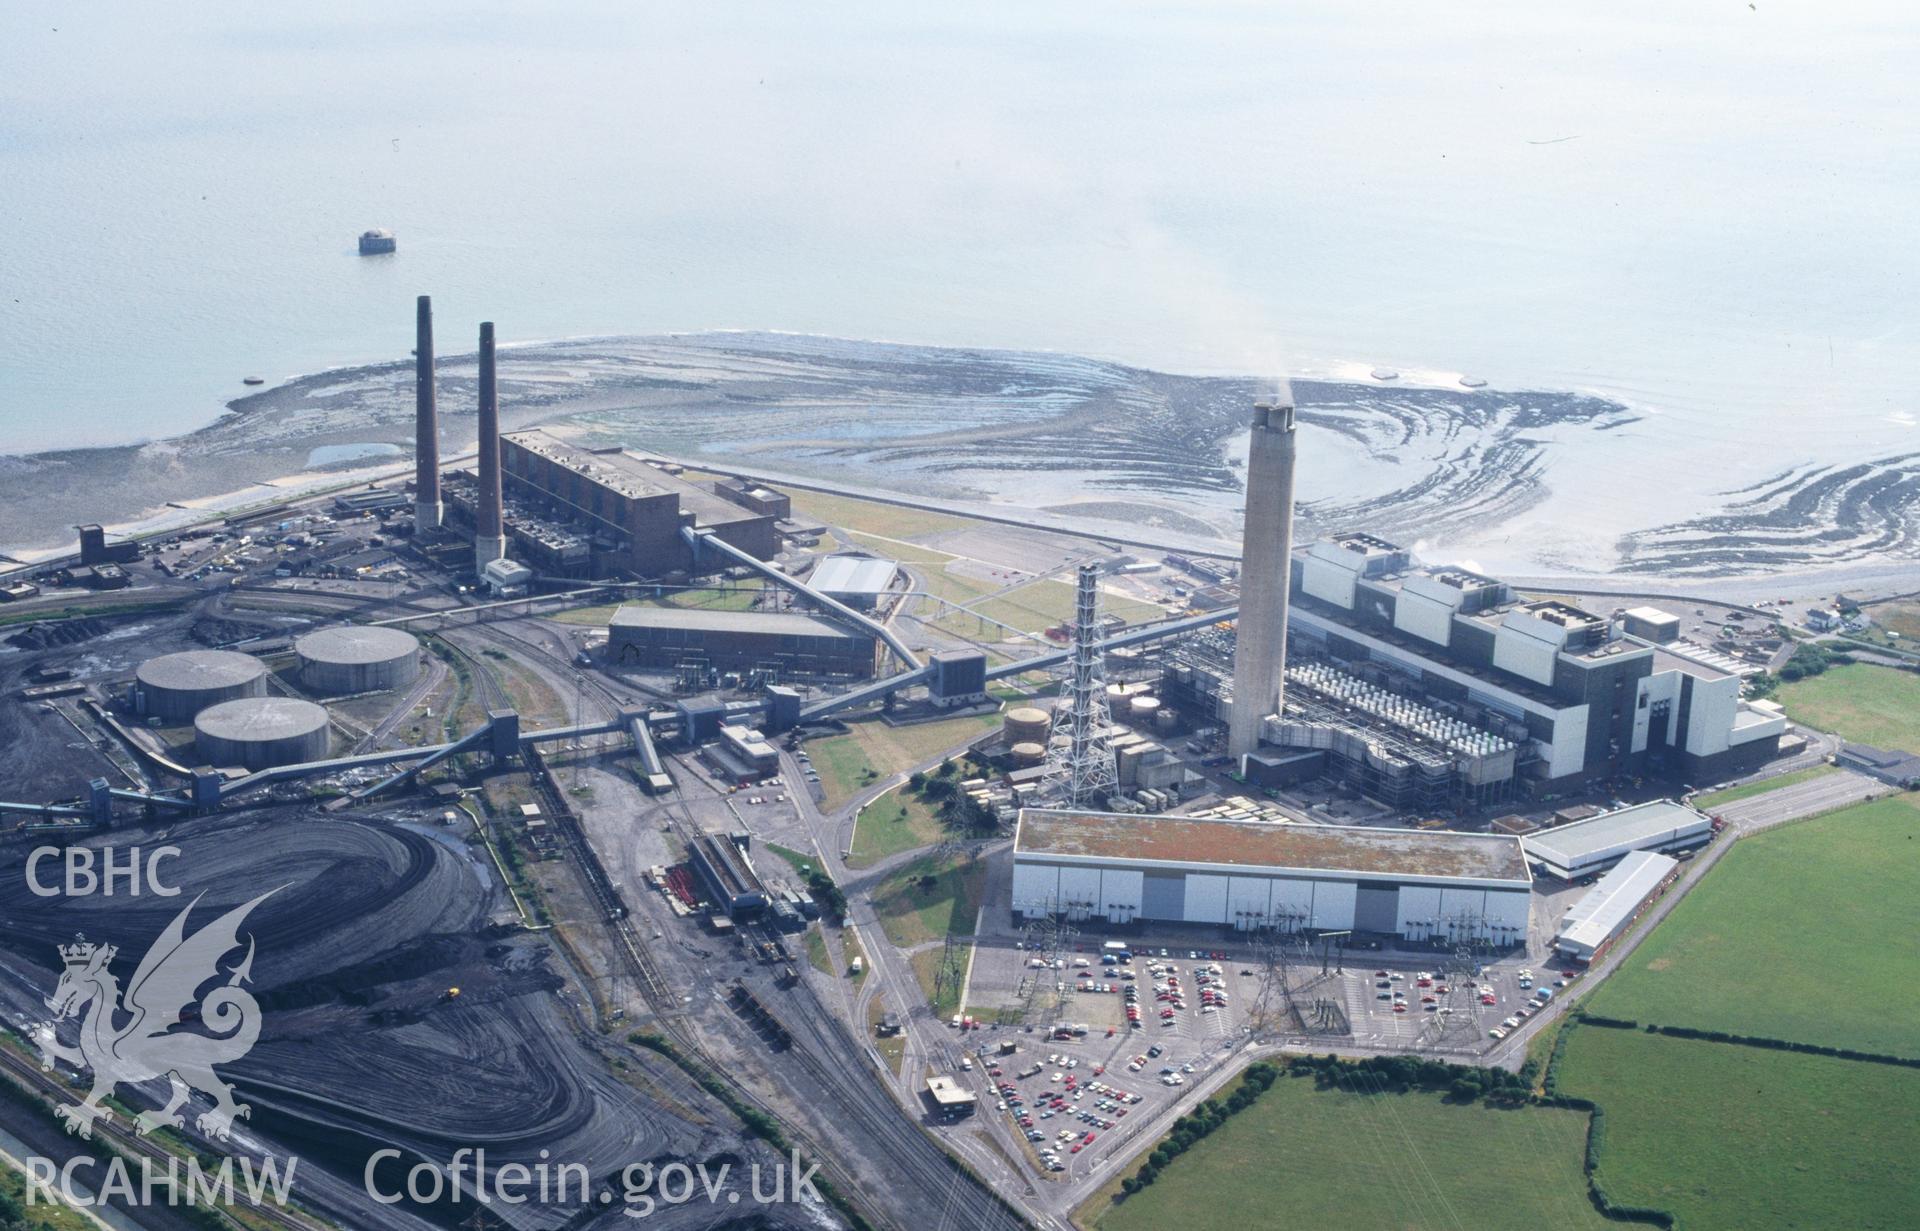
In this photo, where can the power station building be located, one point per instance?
(1440, 685)
(577, 512)
(1417, 885)
(780, 643)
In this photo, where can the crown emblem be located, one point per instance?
(81, 952)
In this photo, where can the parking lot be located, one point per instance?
(1077, 1100)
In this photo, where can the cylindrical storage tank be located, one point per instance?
(1166, 721)
(357, 658)
(1144, 710)
(175, 687)
(1117, 697)
(1029, 753)
(1027, 724)
(261, 732)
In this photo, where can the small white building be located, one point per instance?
(506, 578)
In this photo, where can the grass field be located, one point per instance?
(891, 520)
(945, 999)
(1748, 790)
(912, 912)
(1305, 1157)
(1859, 702)
(1734, 1137)
(844, 761)
(817, 952)
(1041, 604)
(47, 1211)
(733, 598)
(893, 823)
(1776, 941)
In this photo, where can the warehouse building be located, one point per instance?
(574, 511)
(1460, 666)
(1419, 886)
(1607, 910)
(857, 581)
(1594, 845)
(782, 644)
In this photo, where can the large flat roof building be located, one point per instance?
(1585, 847)
(1415, 884)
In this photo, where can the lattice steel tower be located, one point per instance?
(1079, 758)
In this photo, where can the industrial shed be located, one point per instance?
(1586, 847)
(1413, 884)
(856, 580)
(1610, 907)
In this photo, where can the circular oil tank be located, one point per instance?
(1027, 724)
(1144, 710)
(1167, 721)
(357, 658)
(1026, 753)
(175, 687)
(261, 732)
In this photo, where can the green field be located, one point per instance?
(1042, 604)
(1724, 1136)
(891, 520)
(912, 912)
(47, 1211)
(945, 999)
(1779, 939)
(1748, 790)
(1859, 702)
(1307, 1157)
(731, 598)
(893, 823)
(872, 750)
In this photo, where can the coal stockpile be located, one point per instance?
(364, 1045)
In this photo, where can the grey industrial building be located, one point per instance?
(1584, 848)
(357, 658)
(1417, 885)
(857, 581)
(571, 511)
(1453, 666)
(781, 644)
(755, 498)
(1607, 910)
(261, 732)
(727, 877)
(175, 687)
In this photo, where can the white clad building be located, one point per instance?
(1607, 910)
(1415, 884)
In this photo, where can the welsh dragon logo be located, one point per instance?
(133, 1039)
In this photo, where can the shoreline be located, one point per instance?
(995, 431)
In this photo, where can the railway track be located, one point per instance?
(134, 1146)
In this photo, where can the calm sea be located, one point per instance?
(1706, 210)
